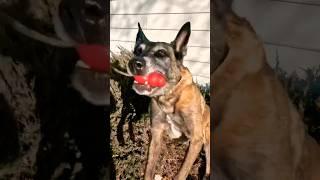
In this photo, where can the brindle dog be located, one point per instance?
(258, 133)
(178, 107)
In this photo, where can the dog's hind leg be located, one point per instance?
(207, 152)
(206, 140)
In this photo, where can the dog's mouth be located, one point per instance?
(142, 88)
(146, 90)
(150, 83)
(93, 86)
(90, 76)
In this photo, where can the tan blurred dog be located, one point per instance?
(258, 133)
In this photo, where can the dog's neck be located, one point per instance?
(169, 99)
(240, 60)
(246, 56)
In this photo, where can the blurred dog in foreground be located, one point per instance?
(258, 133)
(79, 24)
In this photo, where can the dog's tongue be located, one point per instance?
(95, 56)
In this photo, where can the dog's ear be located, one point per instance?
(141, 38)
(222, 7)
(181, 40)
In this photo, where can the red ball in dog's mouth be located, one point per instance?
(154, 79)
(96, 57)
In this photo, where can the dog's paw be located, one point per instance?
(206, 177)
(157, 177)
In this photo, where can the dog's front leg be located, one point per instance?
(193, 152)
(157, 128)
(154, 149)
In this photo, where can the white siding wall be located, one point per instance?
(291, 27)
(161, 21)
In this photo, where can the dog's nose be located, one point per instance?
(139, 64)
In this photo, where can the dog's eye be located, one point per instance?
(160, 53)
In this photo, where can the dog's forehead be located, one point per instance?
(161, 45)
(154, 46)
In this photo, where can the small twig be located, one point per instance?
(121, 72)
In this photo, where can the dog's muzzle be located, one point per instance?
(138, 66)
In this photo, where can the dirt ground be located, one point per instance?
(130, 157)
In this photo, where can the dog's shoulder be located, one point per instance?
(184, 93)
(185, 82)
(187, 90)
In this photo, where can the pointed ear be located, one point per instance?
(141, 38)
(182, 38)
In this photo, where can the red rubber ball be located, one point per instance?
(156, 79)
(95, 56)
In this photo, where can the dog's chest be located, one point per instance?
(176, 127)
(174, 131)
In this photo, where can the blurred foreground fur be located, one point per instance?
(258, 132)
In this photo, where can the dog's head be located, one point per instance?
(219, 48)
(84, 24)
(161, 57)
(233, 34)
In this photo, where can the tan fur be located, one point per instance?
(258, 133)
